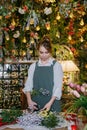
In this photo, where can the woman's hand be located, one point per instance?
(32, 105)
(47, 106)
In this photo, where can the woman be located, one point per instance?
(45, 78)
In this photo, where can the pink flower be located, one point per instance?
(83, 89)
(75, 93)
(85, 85)
(78, 87)
(25, 8)
(72, 85)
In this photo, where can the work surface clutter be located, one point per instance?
(32, 121)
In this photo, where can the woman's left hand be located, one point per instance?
(47, 106)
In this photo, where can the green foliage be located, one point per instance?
(81, 102)
(10, 115)
(78, 105)
(50, 120)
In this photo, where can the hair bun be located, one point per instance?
(46, 38)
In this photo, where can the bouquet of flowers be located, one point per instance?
(49, 119)
(79, 102)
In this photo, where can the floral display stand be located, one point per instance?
(82, 122)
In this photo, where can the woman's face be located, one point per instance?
(43, 53)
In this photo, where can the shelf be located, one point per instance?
(12, 79)
(20, 62)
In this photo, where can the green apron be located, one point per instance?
(43, 82)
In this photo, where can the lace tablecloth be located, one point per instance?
(68, 125)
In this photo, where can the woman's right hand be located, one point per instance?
(32, 105)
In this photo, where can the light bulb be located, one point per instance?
(37, 28)
(82, 22)
(31, 21)
(0, 17)
(24, 40)
(81, 39)
(27, 28)
(58, 17)
(71, 15)
(13, 22)
(69, 37)
(57, 34)
(47, 25)
(7, 37)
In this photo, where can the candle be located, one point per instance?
(73, 127)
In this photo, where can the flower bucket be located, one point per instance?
(81, 122)
(6, 123)
(63, 128)
(2, 123)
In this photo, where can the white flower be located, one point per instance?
(17, 34)
(21, 11)
(47, 10)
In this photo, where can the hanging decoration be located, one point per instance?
(64, 8)
(85, 4)
(32, 19)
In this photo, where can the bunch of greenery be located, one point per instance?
(49, 120)
(10, 115)
(79, 105)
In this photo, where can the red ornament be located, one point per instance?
(73, 127)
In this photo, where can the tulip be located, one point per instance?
(72, 85)
(78, 87)
(76, 94)
(83, 89)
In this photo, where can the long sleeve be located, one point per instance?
(58, 80)
(29, 81)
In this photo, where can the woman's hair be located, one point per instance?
(46, 43)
